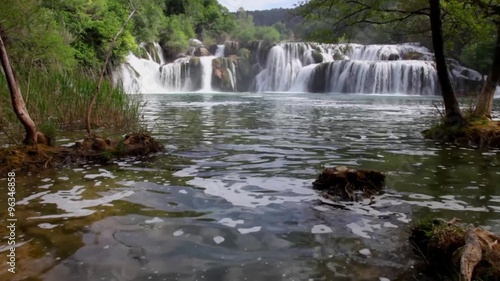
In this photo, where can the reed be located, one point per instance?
(58, 100)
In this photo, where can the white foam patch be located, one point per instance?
(26, 200)
(178, 233)
(47, 186)
(363, 228)
(71, 202)
(365, 252)
(384, 279)
(104, 174)
(183, 191)
(231, 223)
(154, 220)
(47, 225)
(249, 230)
(321, 229)
(219, 239)
(390, 225)
(240, 192)
(63, 178)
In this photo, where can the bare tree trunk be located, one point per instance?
(453, 115)
(485, 100)
(101, 75)
(15, 93)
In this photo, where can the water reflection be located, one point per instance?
(231, 198)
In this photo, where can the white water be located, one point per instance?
(346, 68)
(353, 68)
(220, 51)
(147, 82)
(172, 75)
(303, 79)
(207, 68)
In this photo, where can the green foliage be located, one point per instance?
(282, 30)
(268, 34)
(478, 55)
(246, 30)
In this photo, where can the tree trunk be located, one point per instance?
(15, 93)
(485, 100)
(452, 109)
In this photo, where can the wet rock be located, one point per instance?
(342, 183)
(317, 56)
(202, 52)
(231, 48)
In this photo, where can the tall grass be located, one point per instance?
(59, 100)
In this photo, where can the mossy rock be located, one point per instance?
(244, 53)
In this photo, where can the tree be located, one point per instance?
(375, 12)
(490, 10)
(452, 109)
(15, 93)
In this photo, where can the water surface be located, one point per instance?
(231, 198)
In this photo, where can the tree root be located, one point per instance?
(349, 184)
(447, 245)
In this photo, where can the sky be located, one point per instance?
(250, 5)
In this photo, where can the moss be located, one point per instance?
(440, 244)
(33, 158)
(244, 53)
(477, 133)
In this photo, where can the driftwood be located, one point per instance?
(349, 184)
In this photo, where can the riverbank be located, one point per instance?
(41, 156)
(481, 133)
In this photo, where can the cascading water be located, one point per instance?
(283, 65)
(147, 82)
(354, 68)
(175, 76)
(298, 67)
(220, 51)
(207, 68)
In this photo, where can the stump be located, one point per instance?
(342, 183)
(449, 248)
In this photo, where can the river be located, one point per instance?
(231, 198)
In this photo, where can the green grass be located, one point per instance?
(58, 101)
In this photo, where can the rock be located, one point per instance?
(212, 48)
(349, 184)
(231, 48)
(393, 57)
(222, 78)
(202, 52)
(317, 56)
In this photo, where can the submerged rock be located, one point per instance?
(349, 184)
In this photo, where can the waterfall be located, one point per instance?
(354, 68)
(175, 75)
(283, 65)
(303, 79)
(148, 80)
(299, 67)
(220, 51)
(206, 79)
(406, 77)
